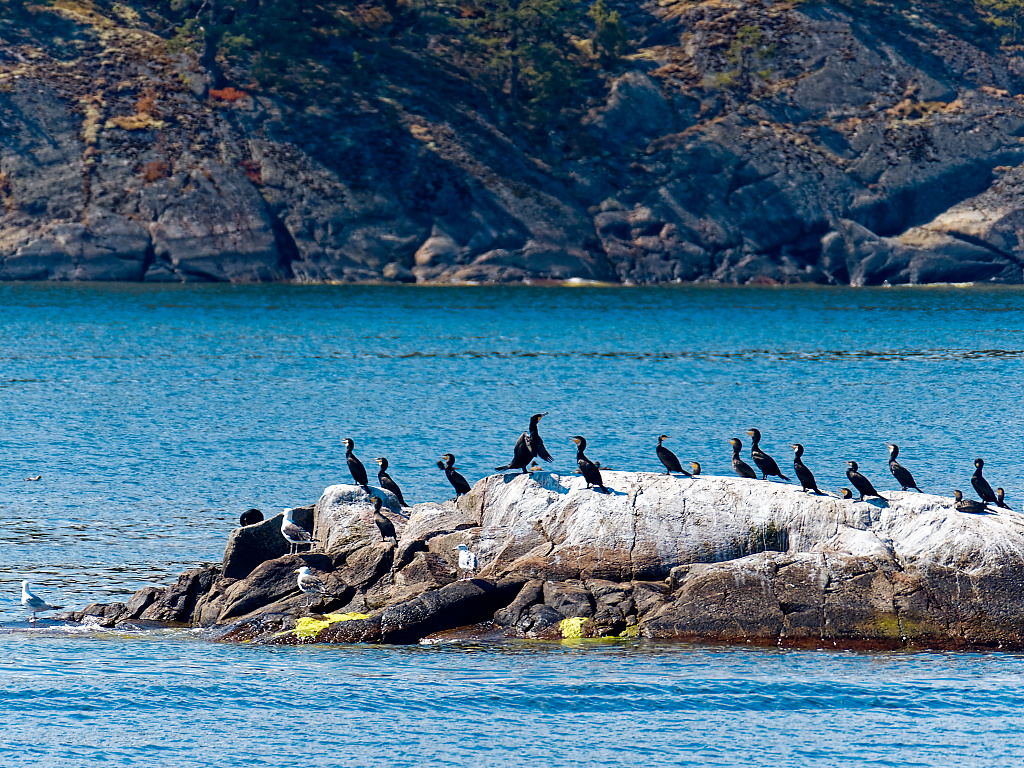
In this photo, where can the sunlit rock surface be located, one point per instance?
(708, 558)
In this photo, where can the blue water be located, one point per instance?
(156, 414)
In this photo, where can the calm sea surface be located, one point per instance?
(156, 414)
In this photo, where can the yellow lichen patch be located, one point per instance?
(630, 632)
(135, 123)
(336, 617)
(308, 627)
(571, 627)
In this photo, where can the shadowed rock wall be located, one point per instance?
(876, 145)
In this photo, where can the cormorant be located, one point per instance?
(310, 585)
(981, 486)
(385, 526)
(901, 473)
(458, 481)
(250, 517)
(588, 468)
(999, 499)
(846, 493)
(764, 462)
(387, 483)
(742, 468)
(528, 446)
(860, 482)
(696, 468)
(803, 474)
(669, 459)
(355, 466)
(294, 533)
(35, 604)
(960, 504)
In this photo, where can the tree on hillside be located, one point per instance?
(609, 38)
(1007, 16)
(747, 50)
(527, 44)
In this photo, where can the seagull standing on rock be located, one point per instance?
(467, 561)
(310, 585)
(294, 533)
(35, 604)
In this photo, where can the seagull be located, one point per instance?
(467, 560)
(35, 604)
(310, 586)
(33, 479)
(295, 534)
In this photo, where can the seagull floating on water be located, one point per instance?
(33, 479)
(467, 560)
(35, 604)
(295, 534)
(310, 585)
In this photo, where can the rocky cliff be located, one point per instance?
(710, 558)
(874, 144)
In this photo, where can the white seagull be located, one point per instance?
(310, 586)
(35, 604)
(467, 560)
(295, 534)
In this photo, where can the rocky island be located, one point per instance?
(650, 142)
(705, 558)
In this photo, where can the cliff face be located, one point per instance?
(865, 148)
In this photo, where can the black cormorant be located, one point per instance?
(901, 473)
(529, 446)
(960, 504)
(846, 493)
(250, 517)
(860, 482)
(355, 466)
(387, 483)
(669, 459)
(764, 462)
(742, 468)
(588, 468)
(803, 474)
(385, 526)
(999, 499)
(458, 481)
(696, 467)
(981, 486)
